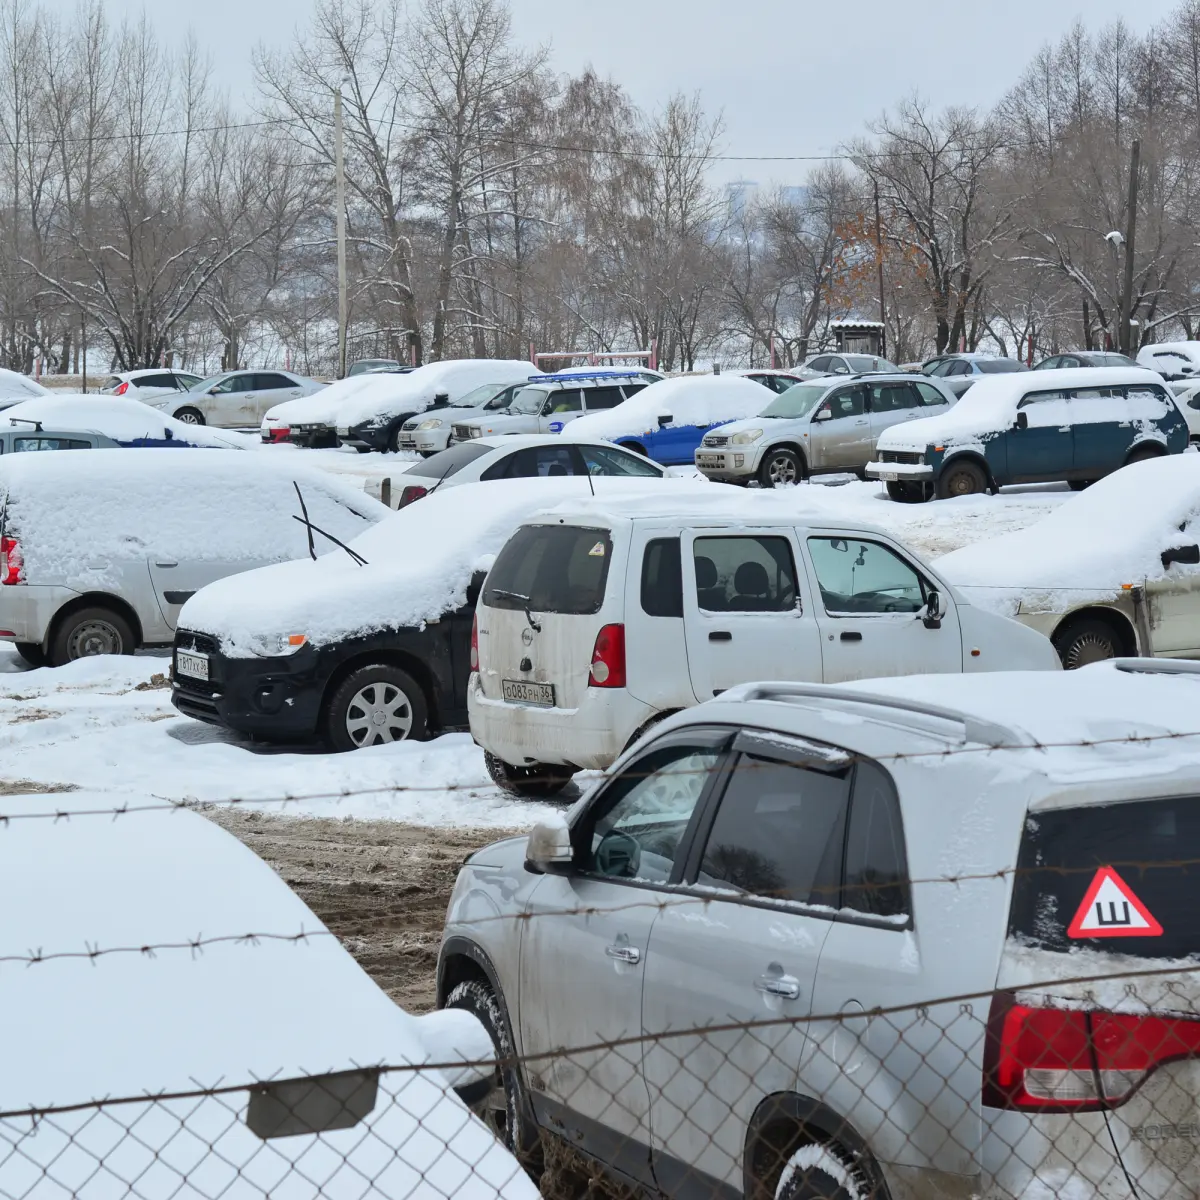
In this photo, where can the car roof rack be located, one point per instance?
(1157, 666)
(574, 376)
(975, 729)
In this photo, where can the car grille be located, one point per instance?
(713, 440)
(202, 689)
(901, 456)
(408, 425)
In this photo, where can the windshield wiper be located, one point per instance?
(521, 599)
(311, 528)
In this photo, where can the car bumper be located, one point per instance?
(726, 464)
(361, 435)
(274, 698)
(27, 610)
(275, 435)
(312, 435)
(429, 441)
(589, 737)
(891, 472)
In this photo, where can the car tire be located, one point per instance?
(363, 449)
(32, 653)
(1086, 640)
(537, 782)
(190, 416)
(1077, 485)
(89, 631)
(506, 1109)
(373, 706)
(1142, 455)
(909, 493)
(961, 479)
(826, 1178)
(634, 447)
(780, 467)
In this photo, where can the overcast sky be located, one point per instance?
(791, 78)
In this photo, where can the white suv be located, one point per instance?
(593, 623)
(848, 943)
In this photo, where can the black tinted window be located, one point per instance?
(440, 466)
(890, 397)
(163, 381)
(744, 574)
(662, 579)
(551, 568)
(999, 366)
(602, 397)
(48, 443)
(778, 832)
(876, 866)
(268, 382)
(849, 402)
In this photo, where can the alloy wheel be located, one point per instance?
(377, 713)
(781, 470)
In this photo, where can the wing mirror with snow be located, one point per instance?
(1189, 555)
(664, 419)
(548, 850)
(1022, 421)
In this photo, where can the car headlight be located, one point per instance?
(277, 645)
(435, 423)
(745, 437)
(475, 431)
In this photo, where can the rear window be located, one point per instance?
(551, 568)
(1069, 856)
(998, 366)
(449, 462)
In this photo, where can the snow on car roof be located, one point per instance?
(990, 406)
(13, 384)
(690, 400)
(419, 564)
(322, 407)
(1109, 535)
(117, 417)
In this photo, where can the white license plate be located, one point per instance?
(520, 691)
(343, 431)
(889, 476)
(194, 666)
(710, 460)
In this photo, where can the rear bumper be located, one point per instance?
(27, 610)
(360, 435)
(891, 472)
(312, 435)
(589, 737)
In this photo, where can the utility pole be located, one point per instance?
(339, 165)
(879, 268)
(1130, 229)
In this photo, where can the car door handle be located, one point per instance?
(166, 564)
(862, 422)
(720, 635)
(297, 392)
(850, 635)
(787, 986)
(622, 953)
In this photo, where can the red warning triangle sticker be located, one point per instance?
(1110, 909)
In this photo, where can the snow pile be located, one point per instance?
(420, 562)
(415, 391)
(73, 512)
(990, 407)
(321, 408)
(1112, 534)
(693, 400)
(14, 386)
(123, 420)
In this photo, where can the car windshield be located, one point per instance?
(528, 401)
(998, 366)
(1112, 360)
(869, 363)
(478, 397)
(449, 462)
(797, 401)
(205, 384)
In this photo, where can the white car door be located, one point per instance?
(1174, 600)
(270, 388)
(871, 608)
(584, 941)
(746, 610)
(559, 409)
(841, 439)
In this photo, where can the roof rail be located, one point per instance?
(1157, 666)
(975, 729)
(573, 376)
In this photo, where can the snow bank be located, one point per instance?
(73, 511)
(420, 562)
(692, 400)
(118, 418)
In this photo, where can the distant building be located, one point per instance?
(740, 194)
(794, 194)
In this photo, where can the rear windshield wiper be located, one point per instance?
(521, 599)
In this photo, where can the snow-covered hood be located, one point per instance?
(321, 408)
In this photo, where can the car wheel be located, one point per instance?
(1087, 640)
(90, 631)
(505, 1109)
(961, 479)
(32, 653)
(190, 416)
(816, 1173)
(363, 449)
(635, 448)
(532, 783)
(780, 467)
(908, 493)
(1142, 455)
(375, 705)
(1077, 485)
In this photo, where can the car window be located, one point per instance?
(940, 368)
(451, 461)
(564, 402)
(532, 462)
(838, 366)
(602, 397)
(821, 363)
(892, 397)
(876, 879)
(744, 574)
(551, 569)
(929, 395)
(662, 578)
(1172, 356)
(267, 382)
(48, 443)
(847, 402)
(185, 381)
(608, 460)
(1047, 364)
(779, 831)
(632, 388)
(163, 380)
(113, 381)
(228, 384)
(959, 367)
(998, 366)
(857, 576)
(1042, 397)
(646, 812)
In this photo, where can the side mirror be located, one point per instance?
(931, 618)
(548, 850)
(823, 414)
(1022, 420)
(664, 419)
(1189, 555)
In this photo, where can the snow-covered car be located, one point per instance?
(358, 653)
(100, 551)
(549, 403)
(668, 420)
(150, 384)
(1187, 396)
(520, 456)
(373, 420)
(429, 432)
(239, 399)
(1113, 572)
(876, 941)
(312, 420)
(774, 378)
(127, 422)
(15, 388)
(1172, 360)
(1076, 425)
(161, 1085)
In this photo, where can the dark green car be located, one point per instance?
(1072, 425)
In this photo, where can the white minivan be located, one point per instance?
(596, 621)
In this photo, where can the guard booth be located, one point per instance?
(859, 337)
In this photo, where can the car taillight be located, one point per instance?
(608, 658)
(276, 434)
(1076, 1060)
(12, 565)
(121, 388)
(474, 640)
(414, 492)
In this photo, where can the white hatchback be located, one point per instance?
(598, 620)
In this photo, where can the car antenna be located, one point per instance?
(354, 554)
(312, 550)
